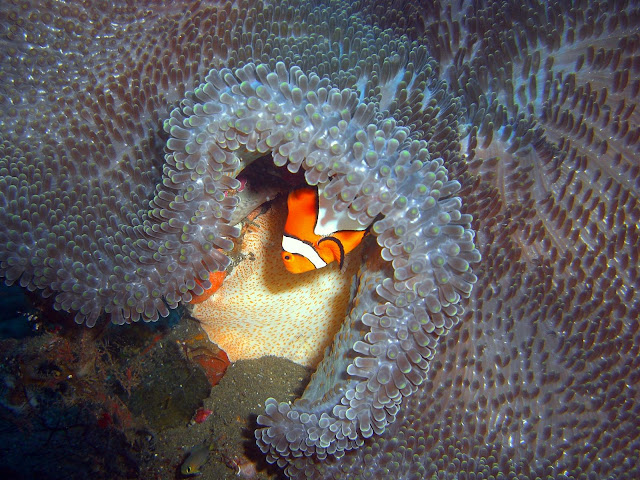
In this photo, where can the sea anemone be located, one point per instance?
(523, 111)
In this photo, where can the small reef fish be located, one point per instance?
(197, 457)
(314, 234)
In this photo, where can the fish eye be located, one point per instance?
(287, 257)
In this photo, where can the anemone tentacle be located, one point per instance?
(527, 111)
(371, 170)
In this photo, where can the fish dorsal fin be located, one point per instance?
(329, 221)
(302, 214)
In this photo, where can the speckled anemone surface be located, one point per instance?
(529, 108)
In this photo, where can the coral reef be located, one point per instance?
(526, 111)
(69, 394)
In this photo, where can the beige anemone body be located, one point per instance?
(262, 309)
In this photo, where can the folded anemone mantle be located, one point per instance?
(415, 271)
(348, 125)
(124, 125)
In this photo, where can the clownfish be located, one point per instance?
(314, 234)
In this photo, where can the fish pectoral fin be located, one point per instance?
(334, 247)
(349, 239)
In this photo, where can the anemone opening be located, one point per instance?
(258, 296)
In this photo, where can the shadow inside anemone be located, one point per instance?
(255, 455)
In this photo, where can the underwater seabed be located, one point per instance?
(118, 402)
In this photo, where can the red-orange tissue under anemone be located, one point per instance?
(215, 279)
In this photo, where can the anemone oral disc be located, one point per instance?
(262, 309)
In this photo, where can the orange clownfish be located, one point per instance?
(314, 234)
